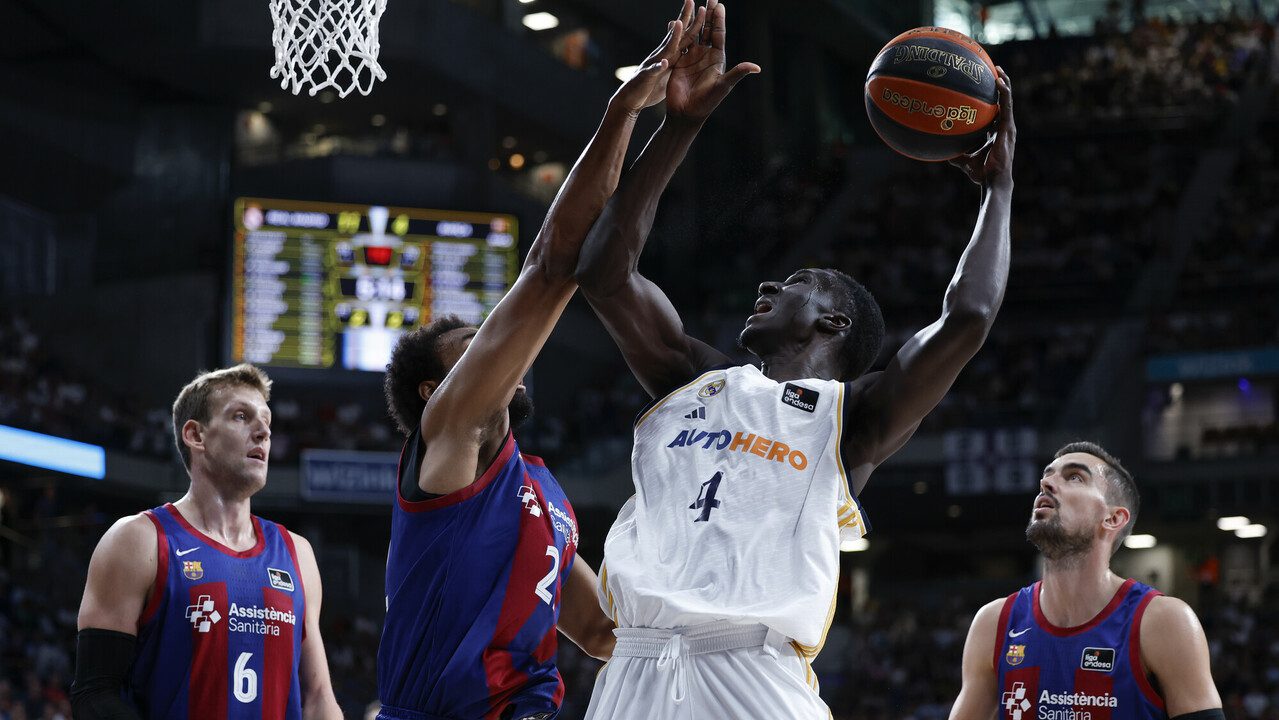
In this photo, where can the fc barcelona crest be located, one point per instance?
(1016, 654)
(192, 570)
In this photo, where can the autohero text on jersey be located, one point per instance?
(773, 450)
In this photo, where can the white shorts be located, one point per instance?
(715, 671)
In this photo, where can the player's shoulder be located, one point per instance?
(1167, 614)
(988, 614)
(129, 547)
(1170, 633)
(130, 533)
(306, 554)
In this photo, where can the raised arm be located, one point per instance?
(888, 406)
(1175, 651)
(979, 695)
(636, 312)
(464, 423)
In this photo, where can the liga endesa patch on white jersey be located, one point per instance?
(741, 499)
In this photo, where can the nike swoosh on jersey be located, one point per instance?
(180, 553)
(1015, 633)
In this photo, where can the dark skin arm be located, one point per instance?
(885, 408)
(639, 316)
(582, 620)
(465, 422)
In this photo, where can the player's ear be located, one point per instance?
(193, 434)
(834, 323)
(1118, 518)
(426, 388)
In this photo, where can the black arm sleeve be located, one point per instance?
(100, 672)
(1213, 714)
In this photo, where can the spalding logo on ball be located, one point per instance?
(931, 94)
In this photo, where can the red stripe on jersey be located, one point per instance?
(1051, 629)
(1002, 629)
(1021, 694)
(161, 571)
(546, 650)
(254, 551)
(277, 659)
(297, 568)
(529, 565)
(1134, 652)
(207, 614)
(457, 496)
(1098, 684)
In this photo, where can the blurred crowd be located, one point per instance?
(1161, 67)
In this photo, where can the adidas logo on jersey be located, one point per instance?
(698, 414)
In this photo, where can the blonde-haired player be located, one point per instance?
(198, 608)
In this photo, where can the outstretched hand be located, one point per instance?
(647, 87)
(698, 82)
(993, 163)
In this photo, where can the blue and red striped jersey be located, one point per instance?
(1088, 672)
(473, 584)
(221, 634)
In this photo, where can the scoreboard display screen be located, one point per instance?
(326, 285)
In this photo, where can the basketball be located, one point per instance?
(931, 94)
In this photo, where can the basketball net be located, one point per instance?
(326, 44)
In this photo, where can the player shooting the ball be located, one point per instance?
(721, 571)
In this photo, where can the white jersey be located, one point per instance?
(740, 502)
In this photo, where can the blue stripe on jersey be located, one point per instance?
(221, 636)
(473, 584)
(1089, 672)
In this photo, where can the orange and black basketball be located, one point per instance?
(931, 94)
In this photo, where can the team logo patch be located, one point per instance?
(528, 499)
(192, 570)
(280, 579)
(711, 389)
(1016, 704)
(1016, 654)
(202, 614)
(1098, 659)
(800, 397)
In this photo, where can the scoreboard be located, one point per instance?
(327, 285)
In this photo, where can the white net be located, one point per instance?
(326, 44)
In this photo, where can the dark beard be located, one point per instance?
(520, 409)
(1055, 542)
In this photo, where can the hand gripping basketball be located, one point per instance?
(993, 163)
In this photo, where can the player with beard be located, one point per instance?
(198, 608)
(1083, 642)
(721, 571)
(482, 561)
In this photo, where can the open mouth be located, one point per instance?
(762, 306)
(1043, 501)
(258, 454)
